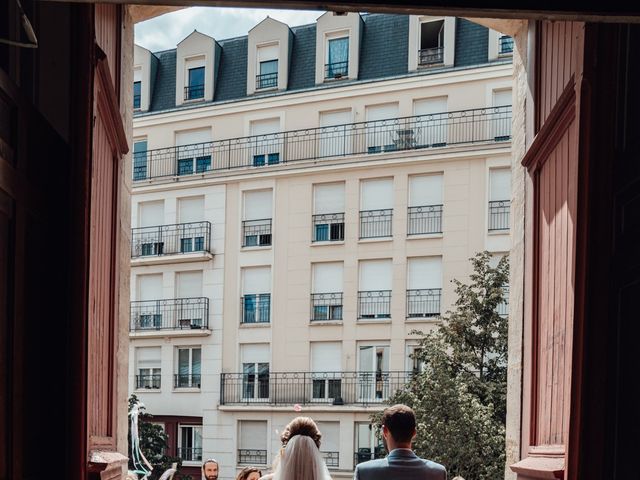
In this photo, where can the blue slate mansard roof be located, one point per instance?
(383, 55)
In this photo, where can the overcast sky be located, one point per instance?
(166, 31)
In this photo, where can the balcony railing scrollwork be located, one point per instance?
(190, 454)
(431, 56)
(499, 215)
(326, 307)
(170, 314)
(436, 130)
(424, 220)
(423, 303)
(247, 456)
(186, 380)
(311, 388)
(174, 239)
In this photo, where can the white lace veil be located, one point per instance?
(301, 460)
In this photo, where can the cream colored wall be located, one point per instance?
(330, 23)
(268, 32)
(195, 45)
(414, 39)
(142, 61)
(465, 90)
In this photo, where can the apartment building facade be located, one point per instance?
(302, 199)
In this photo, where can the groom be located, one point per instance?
(398, 430)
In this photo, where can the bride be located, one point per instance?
(300, 457)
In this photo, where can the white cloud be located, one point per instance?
(164, 32)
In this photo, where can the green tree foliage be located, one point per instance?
(460, 395)
(153, 442)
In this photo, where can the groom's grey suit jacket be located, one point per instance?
(400, 464)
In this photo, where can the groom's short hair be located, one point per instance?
(400, 421)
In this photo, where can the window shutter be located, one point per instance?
(257, 205)
(375, 275)
(382, 112)
(326, 357)
(268, 52)
(425, 190)
(191, 209)
(151, 214)
(377, 194)
(189, 284)
(328, 198)
(148, 357)
(254, 353)
(330, 436)
(429, 106)
(424, 273)
(193, 136)
(501, 97)
(265, 127)
(256, 280)
(329, 119)
(327, 277)
(253, 435)
(500, 184)
(150, 287)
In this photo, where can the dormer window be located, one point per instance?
(137, 95)
(195, 84)
(267, 71)
(337, 65)
(431, 43)
(505, 45)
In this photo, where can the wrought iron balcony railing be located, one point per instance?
(374, 304)
(267, 80)
(186, 380)
(328, 227)
(506, 45)
(431, 56)
(376, 223)
(251, 456)
(310, 388)
(194, 92)
(499, 212)
(423, 303)
(326, 307)
(256, 233)
(170, 239)
(255, 308)
(148, 381)
(170, 314)
(331, 459)
(425, 219)
(190, 454)
(482, 125)
(365, 454)
(336, 69)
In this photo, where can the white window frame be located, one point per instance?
(190, 373)
(194, 429)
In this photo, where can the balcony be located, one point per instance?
(423, 303)
(331, 459)
(424, 220)
(506, 45)
(431, 56)
(190, 454)
(310, 388)
(437, 130)
(186, 380)
(374, 304)
(328, 227)
(256, 233)
(180, 314)
(252, 457)
(148, 382)
(499, 215)
(267, 80)
(336, 70)
(194, 92)
(177, 239)
(326, 307)
(255, 308)
(365, 454)
(376, 223)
